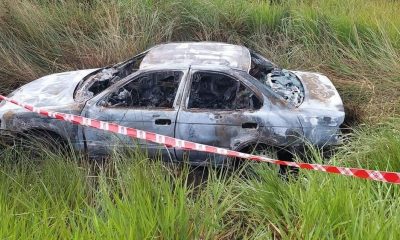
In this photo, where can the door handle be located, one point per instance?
(249, 125)
(163, 121)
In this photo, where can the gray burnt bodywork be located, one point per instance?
(294, 107)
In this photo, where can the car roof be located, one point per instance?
(206, 54)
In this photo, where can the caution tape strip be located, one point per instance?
(382, 176)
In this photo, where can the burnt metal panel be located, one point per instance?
(198, 53)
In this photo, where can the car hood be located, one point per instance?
(319, 92)
(49, 91)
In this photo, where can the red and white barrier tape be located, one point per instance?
(382, 176)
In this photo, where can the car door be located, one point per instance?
(149, 102)
(218, 110)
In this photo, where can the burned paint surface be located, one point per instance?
(198, 53)
(50, 91)
(225, 106)
(320, 92)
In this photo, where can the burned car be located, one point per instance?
(206, 92)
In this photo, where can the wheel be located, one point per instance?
(267, 152)
(259, 150)
(46, 141)
(272, 153)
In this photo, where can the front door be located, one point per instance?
(218, 110)
(148, 102)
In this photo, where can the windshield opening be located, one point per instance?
(102, 79)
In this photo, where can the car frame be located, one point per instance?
(281, 110)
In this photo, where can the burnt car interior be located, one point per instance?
(220, 92)
(151, 90)
(282, 82)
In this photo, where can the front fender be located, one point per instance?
(21, 121)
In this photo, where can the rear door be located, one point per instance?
(218, 110)
(149, 102)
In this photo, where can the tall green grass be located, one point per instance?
(355, 42)
(132, 197)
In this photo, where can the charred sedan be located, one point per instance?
(211, 93)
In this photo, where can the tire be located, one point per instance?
(45, 140)
(272, 153)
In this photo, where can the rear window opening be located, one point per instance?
(281, 81)
(98, 81)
